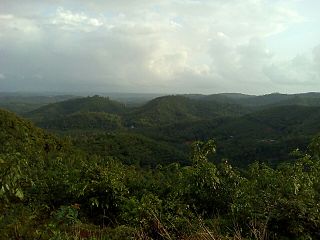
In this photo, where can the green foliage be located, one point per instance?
(314, 148)
(12, 176)
(285, 199)
(206, 187)
(268, 100)
(103, 191)
(268, 135)
(131, 149)
(201, 151)
(268, 132)
(21, 136)
(49, 189)
(173, 109)
(88, 104)
(66, 215)
(84, 121)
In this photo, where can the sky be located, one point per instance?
(160, 46)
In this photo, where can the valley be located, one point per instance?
(175, 167)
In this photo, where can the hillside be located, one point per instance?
(269, 123)
(173, 109)
(125, 185)
(84, 121)
(83, 113)
(244, 134)
(23, 103)
(268, 100)
(64, 108)
(274, 122)
(230, 98)
(163, 110)
(132, 149)
(301, 100)
(19, 135)
(268, 135)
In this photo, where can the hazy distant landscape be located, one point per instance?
(247, 128)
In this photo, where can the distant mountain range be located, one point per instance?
(163, 110)
(26, 102)
(22, 103)
(276, 99)
(177, 108)
(65, 108)
(245, 126)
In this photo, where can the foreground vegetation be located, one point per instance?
(53, 189)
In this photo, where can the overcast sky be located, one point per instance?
(164, 46)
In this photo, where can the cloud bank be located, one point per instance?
(172, 46)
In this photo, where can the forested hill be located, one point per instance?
(82, 112)
(50, 189)
(23, 103)
(89, 121)
(172, 109)
(87, 104)
(21, 136)
(161, 110)
(271, 123)
(244, 133)
(268, 100)
(268, 135)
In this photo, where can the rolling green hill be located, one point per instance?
(88, 104)
(301, 100)
(141, 182)
(83, 113)
(84, 121)
(22, 103)
(244, 133)
(173, 109)
(270, 123)
(163, 110)
(231, 98)
(276, 122)
(268, 135)
(268, 100)
(21, 136)
(131, 149)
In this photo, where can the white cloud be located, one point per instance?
(10, 24)
(142, 45)
(67, 20)
(301, 73)
(2, 76)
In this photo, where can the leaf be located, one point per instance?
(94, 202)
(19, 194)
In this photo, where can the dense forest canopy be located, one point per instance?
(247, 128)
(177, 167)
